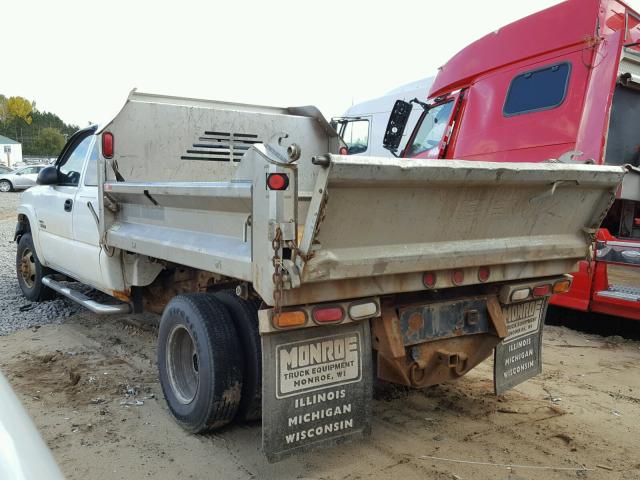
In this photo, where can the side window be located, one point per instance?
(356, 135)
(71, 167)
(91, 174)
(537, 90)
(29, 170)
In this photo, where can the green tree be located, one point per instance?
(49, 142)
(22, 121)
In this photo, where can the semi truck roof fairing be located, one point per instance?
(562, 25)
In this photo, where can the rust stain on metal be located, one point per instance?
(122, 295)
(416, 323)
(497, 316)
(431, 362)
(448, 359)
(387, 334)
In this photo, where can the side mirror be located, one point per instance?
(397, 123)
(48, 176)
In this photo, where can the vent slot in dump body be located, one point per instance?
(221, 146)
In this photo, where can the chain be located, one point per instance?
(277, 277)
(278, 272)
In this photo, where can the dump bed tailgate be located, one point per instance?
(373, 217)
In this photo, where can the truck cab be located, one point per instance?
(561, 85)
(362, 126)
(66, 211)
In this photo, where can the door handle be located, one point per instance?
(68, 205)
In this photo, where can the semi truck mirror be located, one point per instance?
(397, 123)
(48, 176)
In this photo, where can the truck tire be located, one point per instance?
(30, 271)
(199, 362)
(245, 317)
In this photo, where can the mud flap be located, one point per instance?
(317, 388)
(519, 356)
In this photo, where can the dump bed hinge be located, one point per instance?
(288, 230)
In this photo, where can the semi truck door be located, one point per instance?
(355, 131)
(434, 130)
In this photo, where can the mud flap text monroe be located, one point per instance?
(318, 390)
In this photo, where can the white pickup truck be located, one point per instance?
(289, 276)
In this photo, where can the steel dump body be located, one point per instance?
(190, 188)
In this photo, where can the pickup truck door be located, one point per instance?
(55, 205)
(86, 238)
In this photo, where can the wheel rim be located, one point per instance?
(28, 268)
(5, 186)
(182, 364)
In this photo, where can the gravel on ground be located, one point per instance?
(17, 312)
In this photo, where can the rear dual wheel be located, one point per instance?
(199, 362)
(244, 314)
(208, 360)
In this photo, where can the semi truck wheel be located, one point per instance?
(245, 317)
(30, 271)
(199, 362)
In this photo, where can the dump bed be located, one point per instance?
(345, 227)
(395, 219)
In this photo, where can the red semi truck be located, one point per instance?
(561, 85)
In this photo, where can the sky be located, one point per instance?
(80, 59)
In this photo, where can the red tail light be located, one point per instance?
(277, 181)
(484, 273)
(542, 290)
(457, 277)
(429, 279)
(107, 145)
(328, 315)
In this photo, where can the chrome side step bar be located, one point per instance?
(82, 299)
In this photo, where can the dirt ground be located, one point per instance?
(90, 385)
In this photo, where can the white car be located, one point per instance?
(23, 453)
(20, 179)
